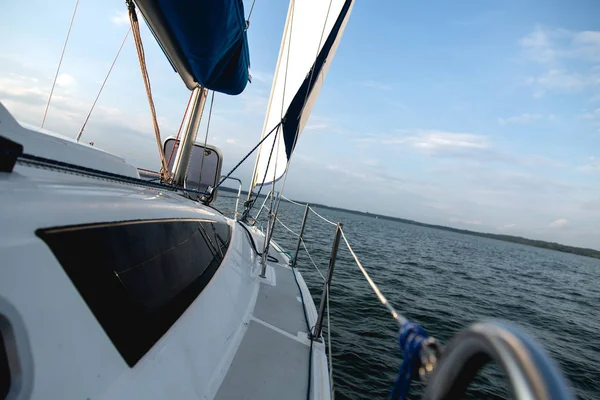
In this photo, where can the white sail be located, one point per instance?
(311, 35)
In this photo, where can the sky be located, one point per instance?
(474, 114)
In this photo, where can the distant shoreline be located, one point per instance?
(505, 238)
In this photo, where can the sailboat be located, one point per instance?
(116, 286)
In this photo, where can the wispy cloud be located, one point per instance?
(560, 223)
(120, 17)
(591, 115)
(570, 59)
(66, 80)
(592, 164)
(377, 85)
(549, 46)
(318, 123)
(520, 119)
(261, 76)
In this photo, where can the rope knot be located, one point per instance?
(410, 339)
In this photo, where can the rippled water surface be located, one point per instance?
(445, 281)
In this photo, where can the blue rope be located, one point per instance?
(410, 340)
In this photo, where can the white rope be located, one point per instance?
(282, 224)
(293, 202)
(313, 261)
(322, 217)
(329, 345)
(399, 318)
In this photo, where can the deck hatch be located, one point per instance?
(138, 277)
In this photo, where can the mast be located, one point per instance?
(184, 150)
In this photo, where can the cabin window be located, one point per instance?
(138, 277)
(4, 369)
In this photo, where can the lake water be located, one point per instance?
(445, 281)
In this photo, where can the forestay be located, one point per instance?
(311, 35)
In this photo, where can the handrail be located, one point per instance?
(237, 201)
(531, 372)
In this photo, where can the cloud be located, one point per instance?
(66, 80)
(120, 17)
(591, 115)
(507, 226)
(261, 76)
(376, 85)
(549, 46)
(560, 80)
(560, 223)
(436, 143)
(538, 45)
(570, 60)
(592, 165)
(520, 119)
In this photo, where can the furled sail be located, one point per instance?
(205, 40)
(311, 35)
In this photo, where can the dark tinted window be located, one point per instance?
(138, 277)
(4, 370)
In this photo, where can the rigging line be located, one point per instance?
(250, 14)
(287, 165)
(62, 54)
(293, 202)
(102, 86)
(312, 71)
(287, 64)
(246, 156)
(399, 318)
(262, 206)
(305, 248)
(286, 227)
(212, 100)
(264, 177)
(135, 27)
(322, 217)
(180, 126)
(148, 170)
(311, 260)
(253, 181)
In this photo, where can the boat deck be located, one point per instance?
(273, 358)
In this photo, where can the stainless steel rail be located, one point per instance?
(237, 200)
(531, 372)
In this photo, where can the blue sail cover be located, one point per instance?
(207, 38)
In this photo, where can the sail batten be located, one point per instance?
(312, 33)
